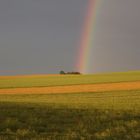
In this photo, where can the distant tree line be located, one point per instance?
(73, 72)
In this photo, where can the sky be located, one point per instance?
(42, 36)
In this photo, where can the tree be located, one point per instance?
(62, 72)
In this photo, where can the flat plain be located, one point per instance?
(70, 107)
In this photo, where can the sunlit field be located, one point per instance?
(62, 80)
(97, 115)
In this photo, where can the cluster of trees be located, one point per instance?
(73, 72)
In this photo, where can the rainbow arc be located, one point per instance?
(86, 42)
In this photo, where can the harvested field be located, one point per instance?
(74, 88)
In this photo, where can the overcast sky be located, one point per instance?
(41, 36)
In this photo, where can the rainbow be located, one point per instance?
(86, 41)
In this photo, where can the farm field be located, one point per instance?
(74, 88)
(105, 107)
(64, 80)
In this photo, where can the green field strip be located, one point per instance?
(64, 80)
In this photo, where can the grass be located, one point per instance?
(113, 115)
(62, 80)
(81, 116)
(29, 121)
(123, 100)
